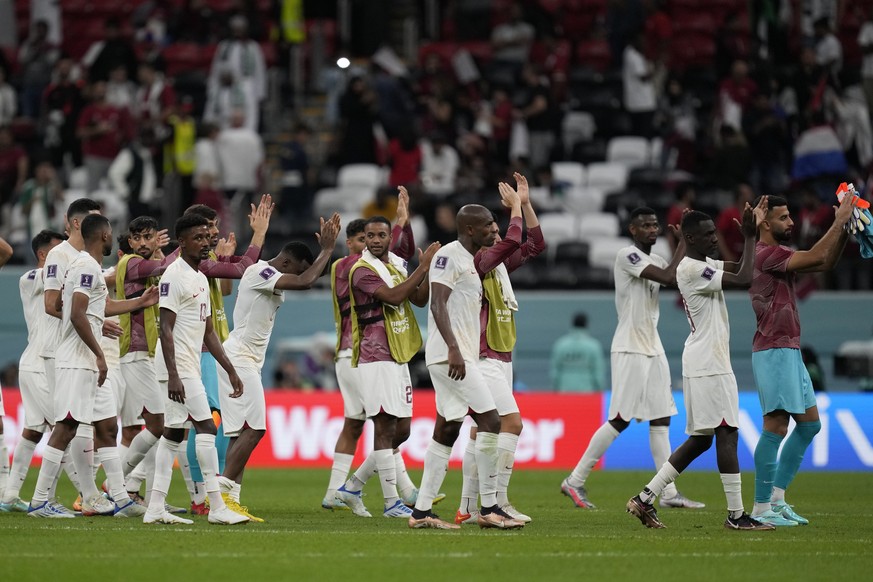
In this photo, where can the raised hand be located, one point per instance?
(149, 297)
(402, 206)
(522, 188)
(226, 247)
(844, 210)
(259, 219)
(163, 238)
(425, 258)
(329, 232)
(508, 196)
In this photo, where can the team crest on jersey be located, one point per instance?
(267, 273)
(51, 271)
(87, 281)
(708, 273)
(633, 258)
(165, 289)
(441, 262)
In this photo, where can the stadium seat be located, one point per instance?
(543, 200)
(356, 175)
(572, 253)
(588, 152)
(572, 173)
(607, 176)
(631, 151)
(583, 199)
(595, 54)
(349, 199)
(656, 150)
(577, 126)
(662, 247)
(559, 226)
(603, 251)
(598, 225)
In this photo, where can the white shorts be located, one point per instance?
(49, 364)
(37, 400)
(195, 407)
(710, 402)
(250, 409)
(386, 387)
(498, 376)
(142, 392)
(455, 398)
(640, 387)
(81, 399)
(349, 385)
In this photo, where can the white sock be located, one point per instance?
(367, 469)
(225, 485)
(486, 461)
(733, 491)
(133, 480)
(387, 475)
(122, 450)
(665, 475)
(339, 471)
(659, 443)
(436, 464)
(48, 474)
(82, 453)
(185, 469)
(70, 469)
(236, 491)
(4, 465)
(602, 438)
(108, 457)
(506, 445)
(139, 448)
(470, 485)
(405, 486)
(20, 463)
(778, 495)
(164, 454)
(207, 456)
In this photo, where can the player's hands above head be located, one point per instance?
(522, 188)
(226, 247)
(163, 238)
(112, 330)
(844, 210)
(508, 196)
(402, 206)
(175, 389)
(329, 232)
(102, 370)
(149, 297)
(259, 219)
(753, 217)
(237, 385)
(425, 257)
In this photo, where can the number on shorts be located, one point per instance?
(409, 395)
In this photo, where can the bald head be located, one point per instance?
(470, 215)
(476, 227)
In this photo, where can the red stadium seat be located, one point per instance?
(182, 57)
(594, 54)
(694, 50)
(694, 23)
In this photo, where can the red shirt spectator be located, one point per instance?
(405, 161)
(13, 165)
(104, 130)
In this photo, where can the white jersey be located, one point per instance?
(111, 347)
(257, 301)
(636, 301)
(185, 292)
(30, 288)
(453, 267)
(707, 349)
(57, 261)
(84, 276)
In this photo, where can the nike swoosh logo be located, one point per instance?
(508, 468)
(196, 295)
(492, 476)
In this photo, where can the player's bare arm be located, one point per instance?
(213, 344)
(148, 298)
(440, 309)
(175, 388)
(326, 241)
(825, 253)
(53, 302)
(527, 209)
(399, 293)
(259, 219)
(402, 206)
(421, 295)
(751, 220)
(5, 252)
(79, 320)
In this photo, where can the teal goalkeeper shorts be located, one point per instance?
(209, 373)
(783, 382)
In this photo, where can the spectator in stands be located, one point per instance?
(512, 39)
(625, 20)
(39, 197)
(658, 30)
(13, 166)
(557, 65)
(155, 101)
(439, 167)
(732, 43)
(730, 237)
(639, 88)
(132, 175)
(149, 21)
(62, 104)
(120, 90)
(735, 94)
(36, 60)
(405, 158)
(106, 55)
(865, 42)
(444, 229)
(396, 102)
(818, 153)
(852, 122)
(685, 196)
(473, 18)
(828, 50)
(50, 12)
(764, 126)
(196, 22)
(806, 83)
(297, 195)
(501, 123)
(245, 59)
(8, 100)
(384, 203)
(577, 361)
(207, 182)
(103, 129)
(358, 108)
(241, 152)
(731, 162)
(537, 112)
(677, 121)
(814, 219)
(228, 96)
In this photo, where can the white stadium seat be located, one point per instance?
(559, 226)
(598, 225)
(366, 175)
(631, 151)
(583, 199)
(603, 250)
(609, 177)
(570, 172)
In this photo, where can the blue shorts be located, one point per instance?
(209, 373)
(783, 382)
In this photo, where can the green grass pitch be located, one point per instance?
(301, 541)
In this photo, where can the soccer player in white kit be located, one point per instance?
(640, 373)
(186, 325)
(708, 382)
(85, 396)
(260, 294)
(5, 255)
(452, 356)
(35, 393)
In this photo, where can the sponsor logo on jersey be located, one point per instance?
(87, 281)
(441, 262)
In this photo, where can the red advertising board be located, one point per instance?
(302, 429)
